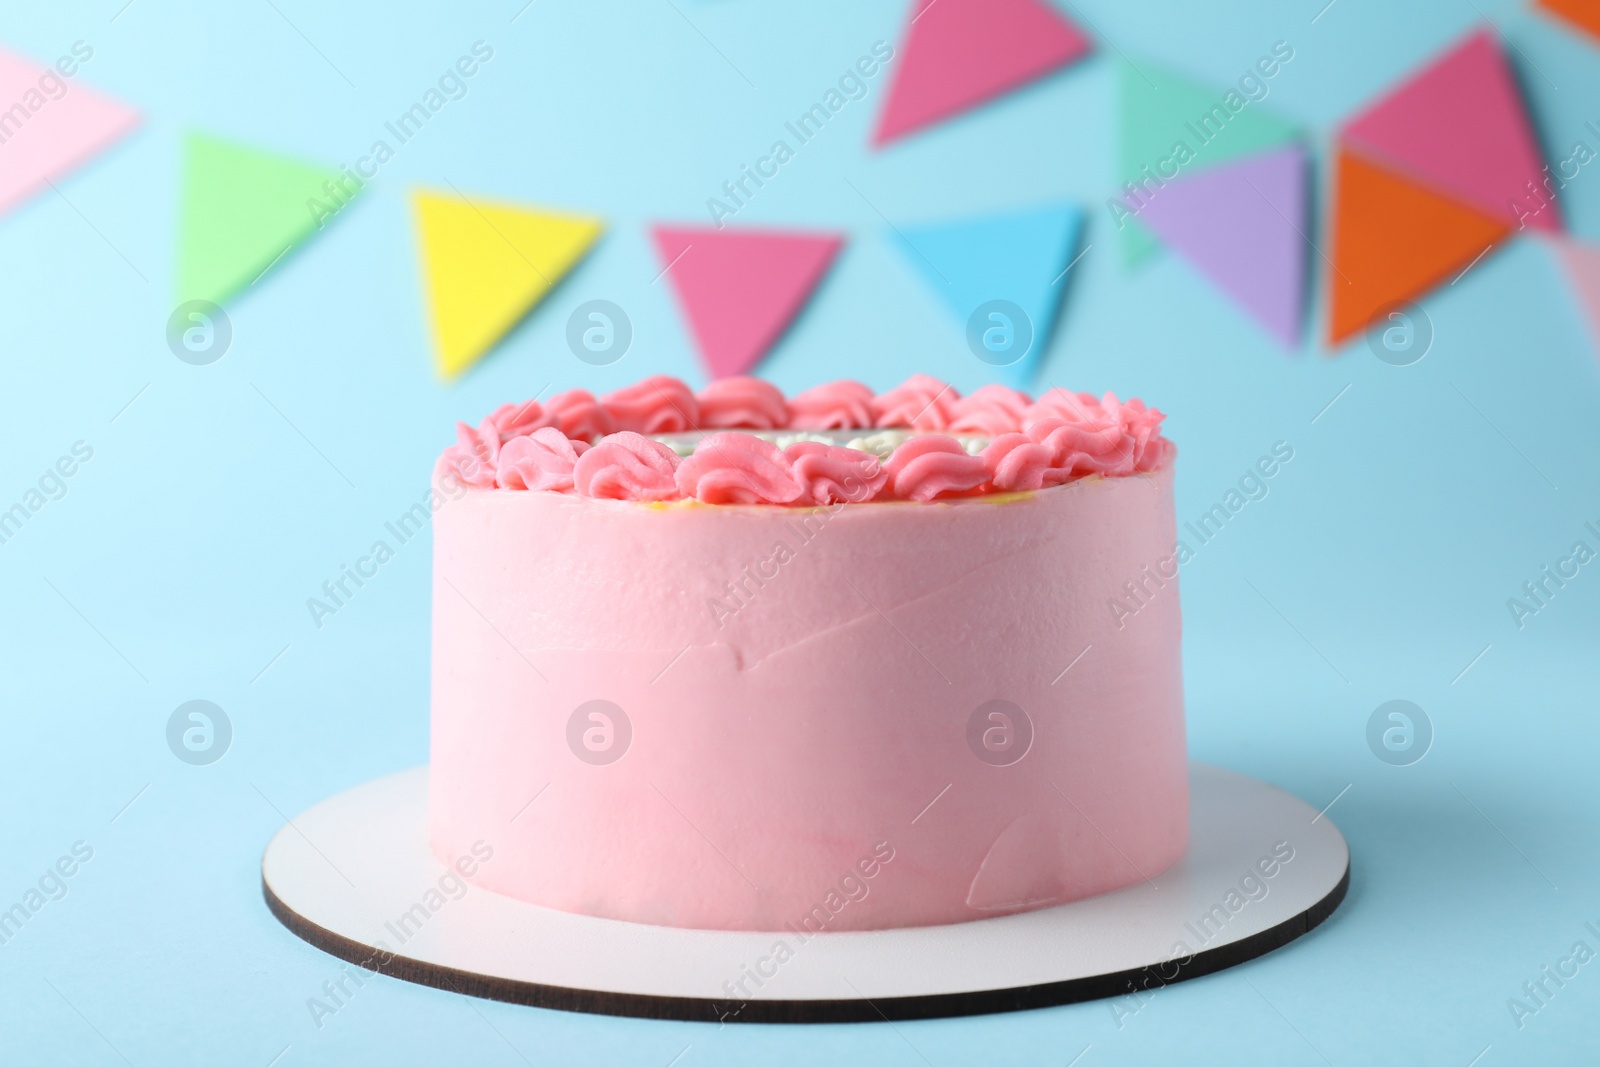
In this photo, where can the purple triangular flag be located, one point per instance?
(1242, 225)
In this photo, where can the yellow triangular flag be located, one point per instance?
(485, 264)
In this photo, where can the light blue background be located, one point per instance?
(187, 547)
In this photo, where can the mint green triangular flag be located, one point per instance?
(1159, 109)
(243, 210)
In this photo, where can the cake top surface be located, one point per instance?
(741, 441)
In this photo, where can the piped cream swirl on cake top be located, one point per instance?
(740, 441)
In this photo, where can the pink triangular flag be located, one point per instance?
(1583, 267)
(54, 123)
(741, 288)
(958, 53)
(1241, 223)
(1460, 125)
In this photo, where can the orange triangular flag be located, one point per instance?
(1392, 240)
(1583, 14)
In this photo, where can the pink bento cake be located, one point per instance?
(840, 661)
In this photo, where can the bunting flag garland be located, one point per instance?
(957, 54)
(1243, 226)
(740, 289)
(486, 264)
(1428, 179)
(1021, 257)
(1171, 129)
(51, 123)
(1583, 15)
(243, 209)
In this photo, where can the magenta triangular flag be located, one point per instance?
(1583, 268)
(1241, 224)
(54, 123)
(956, 54)
(1459, 124)
(740, 289)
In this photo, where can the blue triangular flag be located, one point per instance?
(1002, 276)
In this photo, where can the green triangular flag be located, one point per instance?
(1159, 109)
(242, 210)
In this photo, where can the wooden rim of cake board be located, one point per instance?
(893, 1009)
(1138, 980)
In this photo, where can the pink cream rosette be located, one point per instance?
(579, 415)
(627, 466)
(742, 403)
(473, 458)
(736, 468)
(991, 411)
(1018, 463)
(541, 460)
(517, 420)
(933, 466)
(831, 474)
(841, 405)
(920, 402)
(658, 404)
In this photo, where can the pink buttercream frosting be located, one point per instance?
(769, 698)
(1026, 444)
(736, 468)
(841, 405)
(515, 420)
(1097, 436)
(627, 466)
(1017, 463)
(659, 404)
(925, 468)
(472, 459)
(991, 410)
(542, 460)
(579, 415)
(1062, 404)
(920, 402)
(829, 474)
(742, 403)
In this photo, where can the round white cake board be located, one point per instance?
(354, 876)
